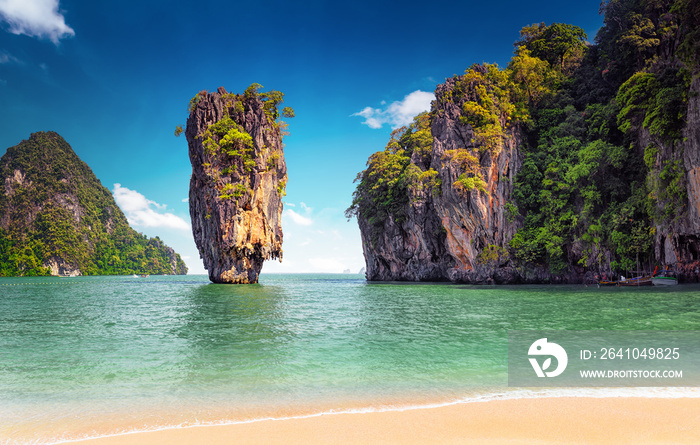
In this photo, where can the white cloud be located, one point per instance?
(139, 210)
(329, 244)
(35, 18)
(398, 113)
(297, 218)
(8, 58)
(368, 114)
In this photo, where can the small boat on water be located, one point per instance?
(637, 281)
(665, 278)
(644, 280)
(664, 281)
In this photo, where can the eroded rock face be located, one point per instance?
(444, 233)
(475, 220)
(691, 154)
(238, 180)
(678, 243)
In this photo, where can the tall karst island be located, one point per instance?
(575, 161)
(56, 218)
(238, 180)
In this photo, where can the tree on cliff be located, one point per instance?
(562, 45)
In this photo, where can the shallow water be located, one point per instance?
(98, 355)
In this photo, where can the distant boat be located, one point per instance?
(644, 280)
(664, 281)
(144, 275)
(665, 278)
(638, 281)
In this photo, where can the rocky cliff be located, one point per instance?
(677, 241)
(56, 218)
(576, 162)
(238, 179)
(453, 224)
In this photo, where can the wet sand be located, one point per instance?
(633, 420)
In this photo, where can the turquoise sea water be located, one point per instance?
(101, 355)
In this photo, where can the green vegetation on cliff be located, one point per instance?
(396, 175)
(226, 142)
(54, 213)
(590, 192)
(602, 130)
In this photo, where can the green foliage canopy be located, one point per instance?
(61, 212)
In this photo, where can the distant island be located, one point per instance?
(56, 218)
(576, 161)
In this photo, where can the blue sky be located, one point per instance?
(114, 79)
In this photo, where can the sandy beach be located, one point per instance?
(517, 421)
